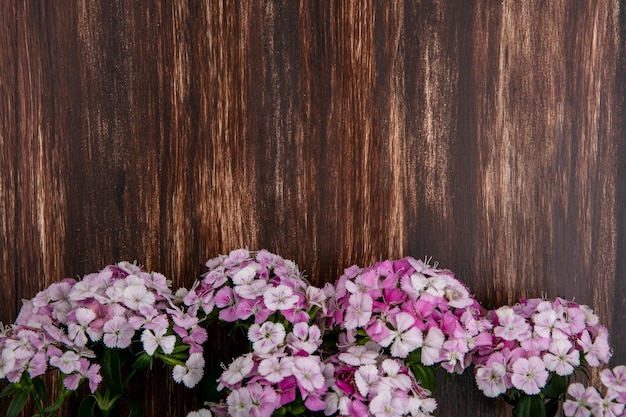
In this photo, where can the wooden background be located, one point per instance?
(486, 134)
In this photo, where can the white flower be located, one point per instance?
(275, 369)
(279, 298)
(192, 372)
(365, 378)
(137, 296)
(267, 337)
(203, 412)
(561, 358)
(408, 338)
(151, 341)
(239, 403)
(238, 369)
(358, 355)
(385, 404)
(308, 374)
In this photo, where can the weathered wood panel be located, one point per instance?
(487, 134)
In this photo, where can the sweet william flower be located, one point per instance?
(358, 355)
(432, 346)
(280, 298)
(151, 341)
(359, 311)
(386, 405)
(366, 378)
(407, 338)
(529, 375)
(263, 400)
(308, 373)
(266, 337)
(117, 333)
(67, 363)
(239, 368)
(239, 403)
(192, 372)
(275, 369)
(490, 379)
(615, 378)
(561, 357)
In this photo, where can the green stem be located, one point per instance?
(127, 381)
(35, 397)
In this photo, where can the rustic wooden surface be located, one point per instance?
(486, 134)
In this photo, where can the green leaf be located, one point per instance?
(87, 407)
(56, 405)
(111, 370)
(530, 406)
(552, 407)
(556, 387)
(18, 402)
(414, 357)
(142, 362)
(425, 375)
(9, 390)
(40, 389)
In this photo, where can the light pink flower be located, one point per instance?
(529, 375)
(117, 333)
(7, 362)
(67, 363)
(264, 400)
(267, 337)
(192, 372)
(615, 378)
(275, 369)
(511, 326)
(596, 351)
(432, 345)
(561, 358)
(407, 337)
(366, 378)
(308, 373)
(280, 298)
(137, 296)
(358, 355)
(239, 403)
(151, 341)
(385, 404)
(238, 369)
(583, 400)
(77, 331)
(490, 379)
(359, 311)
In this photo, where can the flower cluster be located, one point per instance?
(365, 345)
(246, 287)
(267, 296)
(586, 402)
(407, 305)
(536, 340)
(363, 381)
(74, 325)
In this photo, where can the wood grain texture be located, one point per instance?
(487, 134)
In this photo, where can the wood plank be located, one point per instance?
(486, 134)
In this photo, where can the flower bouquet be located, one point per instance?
(537, 345)
(102, 330)
(367, 345)
(267, 298)
(415, 313)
